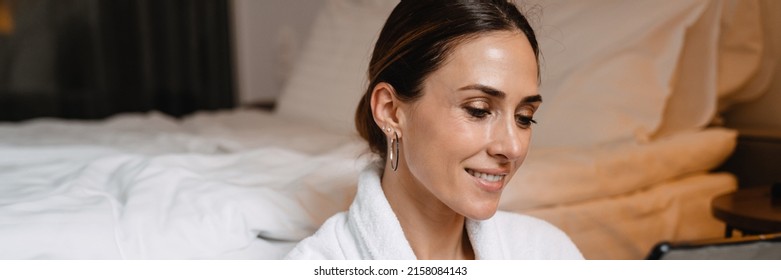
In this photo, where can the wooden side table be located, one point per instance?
(749, 210)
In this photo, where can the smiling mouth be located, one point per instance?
(485, 176)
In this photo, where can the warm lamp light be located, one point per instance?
(6, 21)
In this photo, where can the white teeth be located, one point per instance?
(485, 176)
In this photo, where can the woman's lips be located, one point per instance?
(491, 181)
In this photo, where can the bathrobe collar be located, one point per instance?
(379, 232)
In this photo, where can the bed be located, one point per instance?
(621, 160)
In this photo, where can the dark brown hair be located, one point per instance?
(416, 40)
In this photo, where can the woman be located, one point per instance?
(449, 110)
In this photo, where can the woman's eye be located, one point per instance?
(524, 121)
(477, 112)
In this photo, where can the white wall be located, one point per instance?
(764, 113)
(267, 36)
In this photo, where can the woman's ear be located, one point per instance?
(385, 108)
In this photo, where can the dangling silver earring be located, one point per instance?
(394, 149)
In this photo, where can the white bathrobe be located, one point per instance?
(370, 230)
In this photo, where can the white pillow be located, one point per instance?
(622, 74)
(746, 58)
(741, 44)
(692, 102)
(721, 57)
(608, 67)
(330, 77)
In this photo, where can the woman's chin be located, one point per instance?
(483, 213)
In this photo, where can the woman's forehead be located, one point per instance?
(501, 60)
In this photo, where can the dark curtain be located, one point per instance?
(113, 56)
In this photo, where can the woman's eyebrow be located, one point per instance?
(485, 89)
(500, 94)
(532, 98)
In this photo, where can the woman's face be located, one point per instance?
(470, 130)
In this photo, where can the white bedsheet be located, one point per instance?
(94, 203)
(148, 186)
(154, 133)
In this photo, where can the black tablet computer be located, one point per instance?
(756, 247)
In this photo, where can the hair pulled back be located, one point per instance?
(415, 41)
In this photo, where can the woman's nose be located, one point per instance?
(508, 141)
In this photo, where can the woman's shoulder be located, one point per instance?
(326, 243)
(539, 237)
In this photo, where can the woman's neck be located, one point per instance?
(433, 230)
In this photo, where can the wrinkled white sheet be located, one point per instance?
(154, 133)
(86, 202)
(148, 186)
